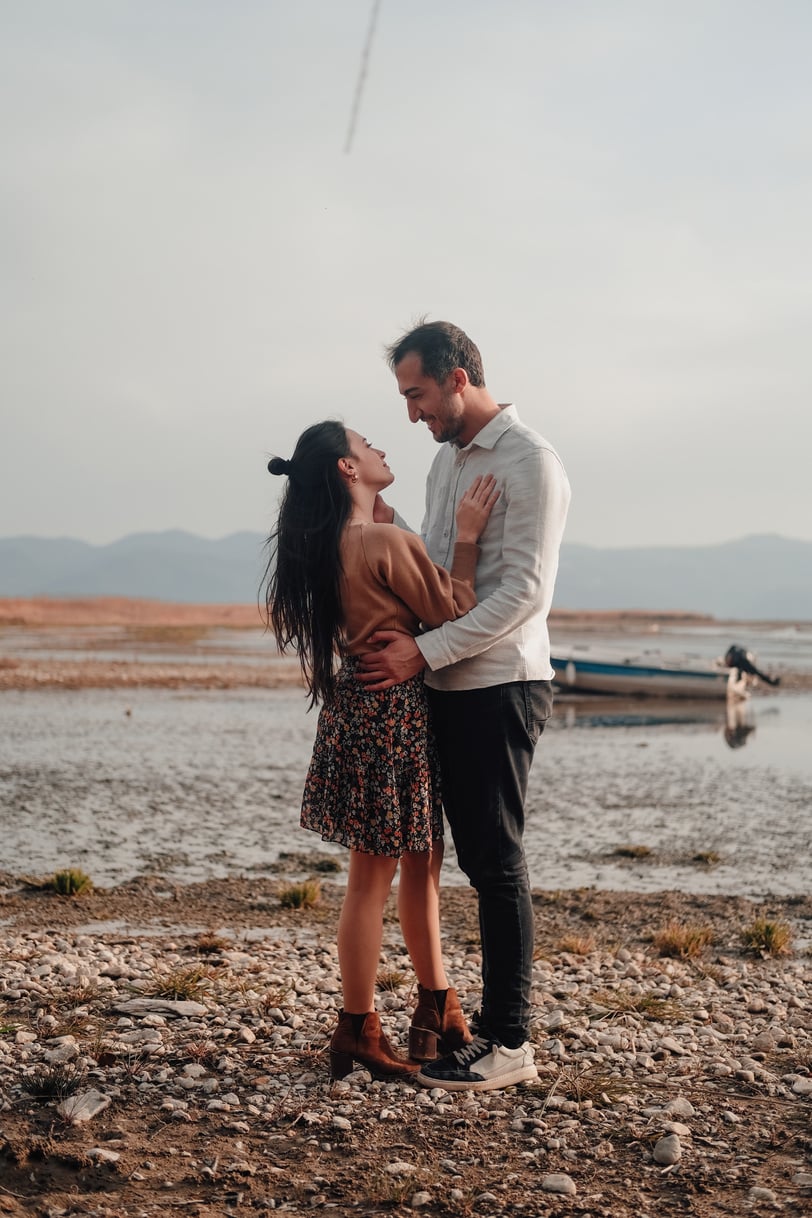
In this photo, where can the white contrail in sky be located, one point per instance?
(362, 75)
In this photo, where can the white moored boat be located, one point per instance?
(644, 673)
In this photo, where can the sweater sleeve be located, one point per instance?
(400, 562)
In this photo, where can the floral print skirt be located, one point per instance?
(373, 783)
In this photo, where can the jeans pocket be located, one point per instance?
(538, 706)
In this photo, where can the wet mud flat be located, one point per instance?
(196, 784)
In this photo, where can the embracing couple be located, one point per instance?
(442, 692)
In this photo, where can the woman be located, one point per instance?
(334, 577)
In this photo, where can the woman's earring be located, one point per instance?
(354, 478)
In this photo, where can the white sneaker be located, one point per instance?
(483, 1065)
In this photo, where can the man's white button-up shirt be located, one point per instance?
(505, 637)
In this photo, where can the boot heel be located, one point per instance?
(422, 1044)
(340, 1064)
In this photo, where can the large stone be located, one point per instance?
(668, 1150)
(147, 1006)
(84, 1106)
(559, 1183)
(763, 1194)
(100, 1154)
(679, 1106)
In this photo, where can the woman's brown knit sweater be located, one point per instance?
(390, 583)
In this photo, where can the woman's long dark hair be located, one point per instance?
(302, 579)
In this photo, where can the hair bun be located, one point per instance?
(278, 465)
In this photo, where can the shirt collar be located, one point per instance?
(494, 429)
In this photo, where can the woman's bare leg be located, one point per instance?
(360, 928)
(419, 911)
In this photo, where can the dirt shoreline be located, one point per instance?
(126, 611)
(110, 624)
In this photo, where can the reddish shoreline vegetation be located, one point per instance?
(125, 611)
(149, 634)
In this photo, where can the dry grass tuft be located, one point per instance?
(310, 1055)
(580, 1083)
(273, 999)
(390, 980)
(209, 943)
(71, 883)
(301, 896)
(767, 937)
(182, 984)
(53, 1082)
(577, 945)
(204, 1051)
(74, 1023)
(681, 940)
(632, 852)
(707, 858)
(648, 1006)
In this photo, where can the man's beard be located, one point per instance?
(451, 426)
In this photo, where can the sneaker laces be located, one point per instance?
(477, 1047)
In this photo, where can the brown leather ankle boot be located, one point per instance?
(360, 1038)
(438, 1025)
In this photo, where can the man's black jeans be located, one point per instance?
(486, 739)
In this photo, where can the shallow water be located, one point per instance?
(192, 785)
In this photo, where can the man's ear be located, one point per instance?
(459, 380)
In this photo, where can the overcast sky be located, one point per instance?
(612, 197)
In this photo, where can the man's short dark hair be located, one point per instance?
(442, 347)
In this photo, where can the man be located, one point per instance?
(488, 674)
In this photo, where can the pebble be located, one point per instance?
(83, 1106)
(668, 1150)
(557, 1182)
(763, 1194)
(421, 1199)
(100, 1154)
(679, 1106)
(676, 1127)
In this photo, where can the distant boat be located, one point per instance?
(593, 670)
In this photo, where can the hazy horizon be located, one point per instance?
(214, 537)
(612, 201)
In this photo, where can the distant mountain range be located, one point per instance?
(761, 577)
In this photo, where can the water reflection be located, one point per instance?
(733, 720)
(738, 724)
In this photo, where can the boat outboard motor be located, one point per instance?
(744, 661)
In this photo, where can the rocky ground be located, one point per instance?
(163, 1048)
